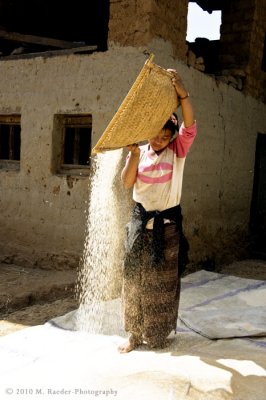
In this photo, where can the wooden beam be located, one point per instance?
(39, 40)
(52, 53)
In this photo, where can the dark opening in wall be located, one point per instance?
(10, 141)
(258, 204)
(77, 145)
(263, 63)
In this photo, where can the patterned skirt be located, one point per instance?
(151, 294)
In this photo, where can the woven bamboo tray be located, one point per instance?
(144, 111)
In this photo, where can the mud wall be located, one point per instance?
(137, 22)
(42, 215)
(242, 45)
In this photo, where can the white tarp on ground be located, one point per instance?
(223, 306)
(46, 361)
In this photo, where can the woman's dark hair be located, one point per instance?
(171, 126)
(175, 116)
(177, 122)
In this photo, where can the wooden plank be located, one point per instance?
(51, 53)
(43, 41)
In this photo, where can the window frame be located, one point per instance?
(76, 122)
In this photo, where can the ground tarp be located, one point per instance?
(222, 306)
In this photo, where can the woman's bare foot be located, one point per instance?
(131, 344)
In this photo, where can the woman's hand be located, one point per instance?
(183, 96)
(130, 170)
(178, 84)
(134, 149)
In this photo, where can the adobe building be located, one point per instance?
(64, 72)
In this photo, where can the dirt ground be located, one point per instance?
(33, 296)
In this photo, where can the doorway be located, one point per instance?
(258, 205)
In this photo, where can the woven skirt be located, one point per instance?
(151, 295)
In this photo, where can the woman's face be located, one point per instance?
(159, 142)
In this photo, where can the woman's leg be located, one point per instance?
(132, 312)
(132, 282)
(160, 293)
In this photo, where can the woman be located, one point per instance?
(151, 282)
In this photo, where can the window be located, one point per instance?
(75, 143)
(202, 24)
(10, 141)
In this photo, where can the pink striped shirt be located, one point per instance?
(159, 179)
